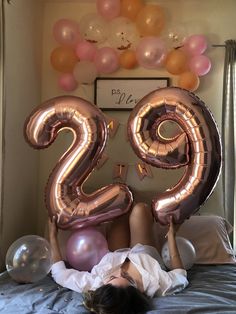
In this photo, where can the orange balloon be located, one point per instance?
(130, 8)
(150, 20)
(128, 59)
(176, 62)
(188, 80)
(63, 59)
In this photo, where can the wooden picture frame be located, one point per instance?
(123, 93)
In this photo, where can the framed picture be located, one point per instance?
(124, 93)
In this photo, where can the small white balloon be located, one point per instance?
(85, 72)
(93, 28)
(123, 34)
(29, 259)
(186, 250)
(174, 35)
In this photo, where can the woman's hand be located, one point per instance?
(173, 249)
(52, 229)
(173, 228)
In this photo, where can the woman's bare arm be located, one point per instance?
(56, 253)
(173, 249)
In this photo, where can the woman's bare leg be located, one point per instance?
(118, 233)
(141, 225)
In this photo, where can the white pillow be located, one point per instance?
(208, 234)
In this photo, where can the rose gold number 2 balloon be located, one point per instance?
(64, 194)
(198, 148)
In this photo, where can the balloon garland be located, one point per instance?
(125, 34)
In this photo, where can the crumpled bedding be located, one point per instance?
(212, 289)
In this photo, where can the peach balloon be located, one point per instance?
(63, 59)
(127, 59)
(130, 8)
(176, 62)
(150, 20)
(188, 80)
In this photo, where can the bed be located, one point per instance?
(212, 289)
(212, 280)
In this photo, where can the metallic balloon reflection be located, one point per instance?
(85, 248)
(65, 197)
(186, 250)
(29, 259)
(195, 146)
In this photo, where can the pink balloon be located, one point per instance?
(195, 44)
(151, 52)
(85, 50)
(67, 82)
(85, 248)
(200, 65)
(109, 9)
(106, 60)
(66, 32)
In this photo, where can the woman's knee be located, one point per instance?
(141, 211)
(141, 225)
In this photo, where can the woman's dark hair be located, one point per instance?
(109, 299)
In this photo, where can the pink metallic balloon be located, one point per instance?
(151, 52)
(66, 32)
(109, 9)
(106, 60)
(85, 248)
(200, 65)
(64, 193)
(85, 50)
(198, 148)
(67, 82)
(195, 44)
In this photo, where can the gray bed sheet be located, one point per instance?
(212, 289)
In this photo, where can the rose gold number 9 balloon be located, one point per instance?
(198, 148)
(64, 194)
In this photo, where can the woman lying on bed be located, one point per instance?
(131, 273)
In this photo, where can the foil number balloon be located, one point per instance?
(64, 194)
(198, 148)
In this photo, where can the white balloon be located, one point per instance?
(186, 250)
(93, 28)
(85, 72)
(123, 33)
(29, 259)
(174, 35)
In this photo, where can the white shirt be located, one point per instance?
(156, 281)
